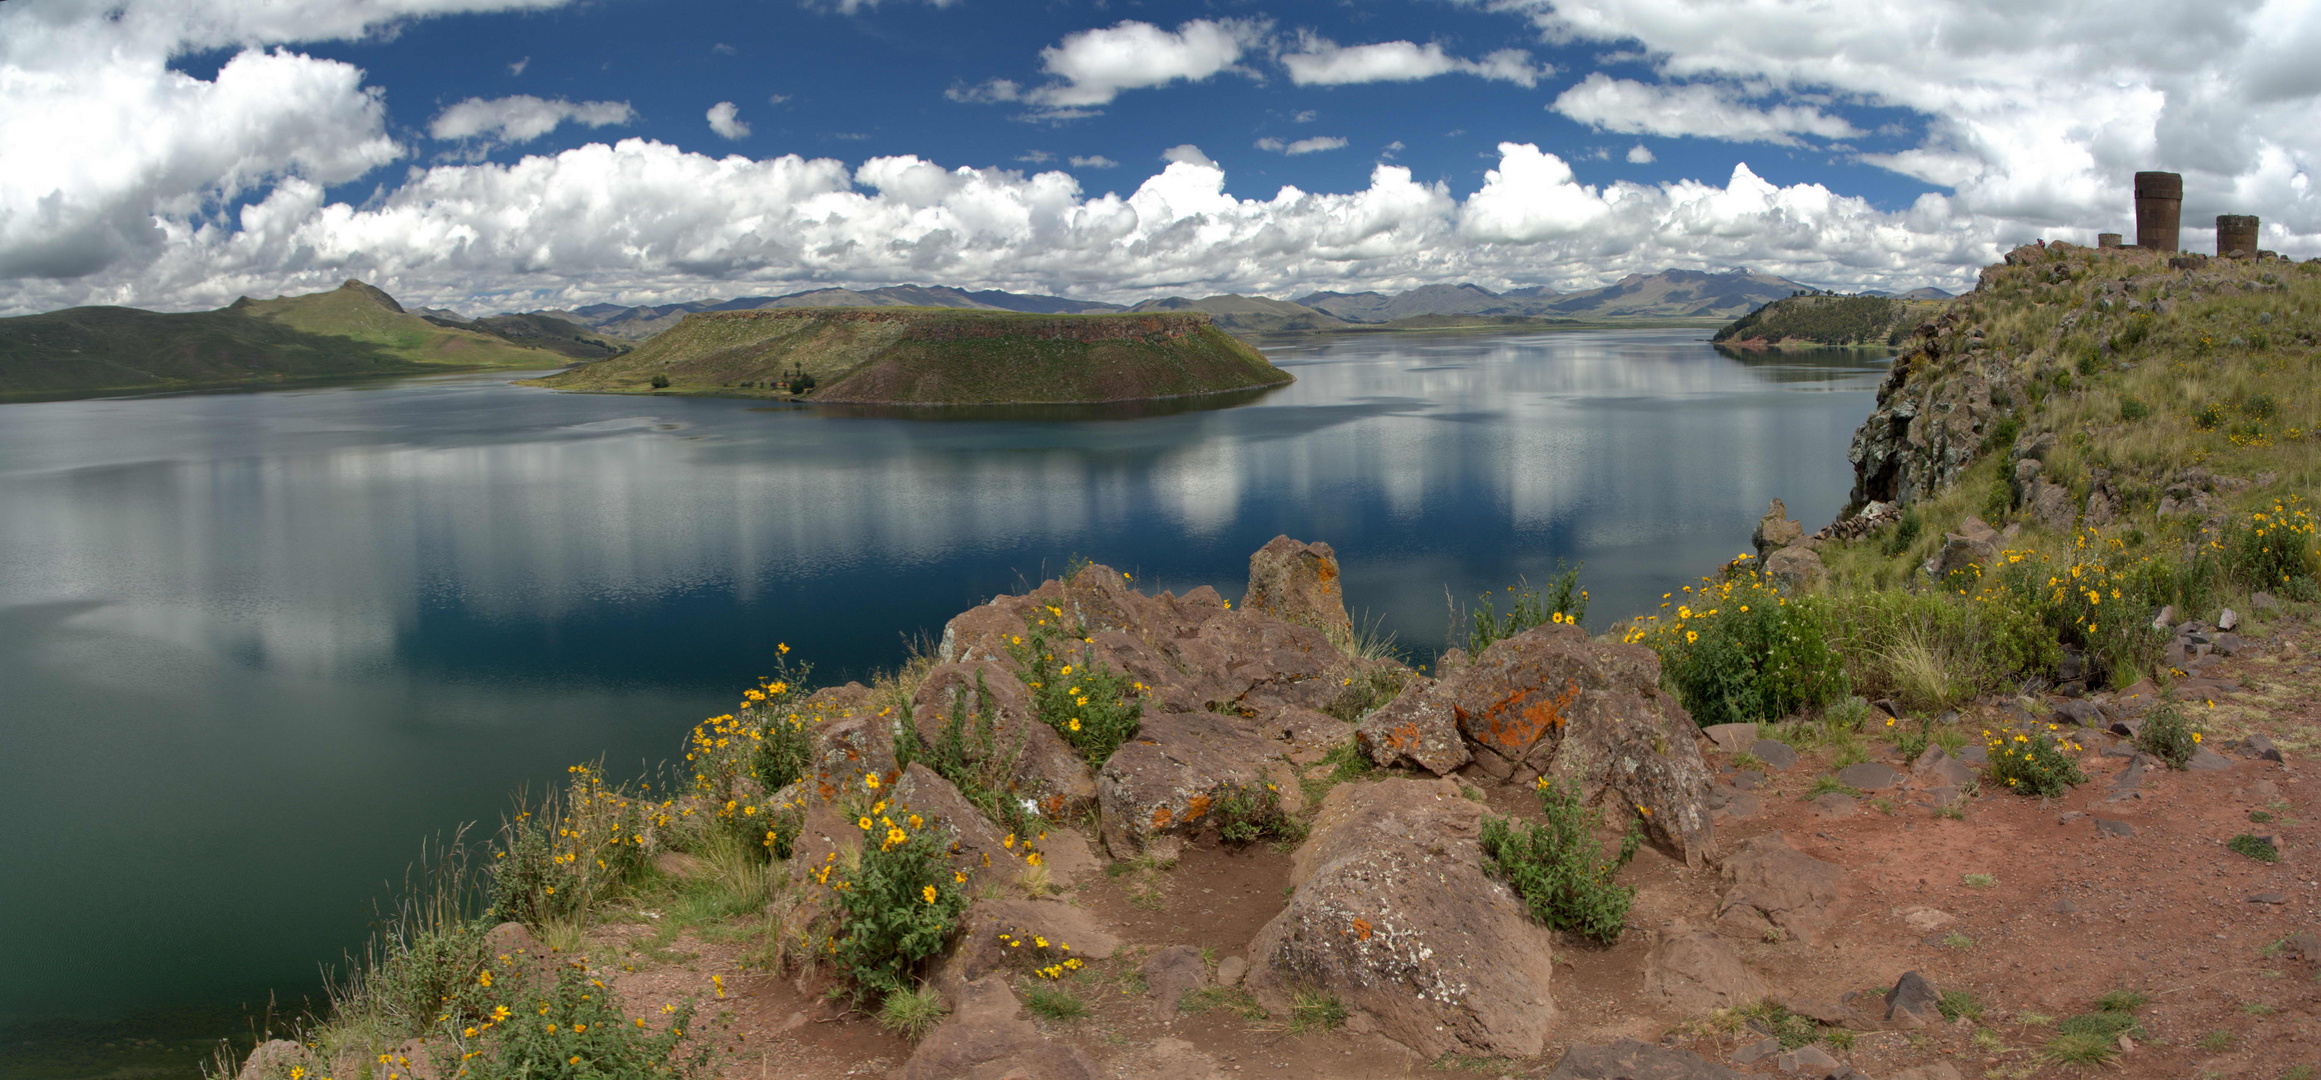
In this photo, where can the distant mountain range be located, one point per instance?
(1685, 294)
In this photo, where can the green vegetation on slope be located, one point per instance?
(2087, 438)
(923, 356)
(1816, 320)
(349, 331)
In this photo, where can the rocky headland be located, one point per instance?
(933, 356)
(2005, 773)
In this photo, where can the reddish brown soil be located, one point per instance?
(2165, 912)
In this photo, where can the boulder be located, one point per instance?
(1417, 728)
(1298, 583)
(1776, 755)
(1231, 970)
(987, 1038)
(2053, 507)
(1775, 531)
(1914, 997)
(1047, 770)
(1394, 915)
(1869, 776)
(2260, 748)
(1773, 885)
(1628, 1059)
(1937, 768)
(1795, 568)
(975, 843)
(1693, 971)
(1549, 702)
(1731, 738)
(1159, 787)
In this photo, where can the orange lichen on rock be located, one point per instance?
(1511, 727)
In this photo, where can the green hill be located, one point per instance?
(353, 330)
(1819, 321)
(934, 356)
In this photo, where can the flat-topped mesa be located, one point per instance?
(934, 356)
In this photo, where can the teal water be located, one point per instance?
(254, 647)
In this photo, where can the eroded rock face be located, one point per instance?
(1160, 786)
(1394, 915)
(1549, 702)
(975, 843)
(1298, 583)
(1935, 407)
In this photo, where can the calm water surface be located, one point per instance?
(254, 647)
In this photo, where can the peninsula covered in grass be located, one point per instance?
(933, 356)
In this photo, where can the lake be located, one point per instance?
(255, 646)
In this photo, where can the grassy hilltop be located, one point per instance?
(352, 330)
(934, 356)
(1812, 321)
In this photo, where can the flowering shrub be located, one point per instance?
(1559, 869)
(1564, 602)
(2167, 735)
(2273, 550)
(576, 848)
(2035, 764)
(896, 903)
(2100, 601)
(570, 1031)
(1092, 706)
(970, 751)
(1738, 651)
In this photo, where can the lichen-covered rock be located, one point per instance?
(1935, 408)
(1160, 786)
(1416, 728)
(1047, 770)
(1297, 582)
(1550, 702)
(1394, 916)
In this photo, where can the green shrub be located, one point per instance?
(896, 905)
(2254, 847)
(1563, 602)
(1957, 1003)
(571, 1031)
(2208, 417)
(1247, 813)
(2168, 735)
(1093, 707)
(2133, 408)
(660, 381)
(1315, 1010)
(1737, 651)
(912, 1013)
(1558, 867)
(785, 743)
(1051, 1002)
(1791, 1029)
(1904, 533)
(2038, 764)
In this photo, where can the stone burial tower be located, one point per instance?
(2236, 235)
(2159, 206)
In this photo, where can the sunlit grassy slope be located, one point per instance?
(349, 331)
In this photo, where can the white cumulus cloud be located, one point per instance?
(1314, 145)
(1094, 161)
(724, 119)
(1640, 154)
(1092, 67)
(522, 117)
(1319, 61)
(1703, 109)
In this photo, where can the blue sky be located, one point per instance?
(490, 154)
